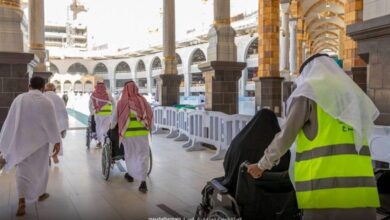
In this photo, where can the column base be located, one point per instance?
(359, 76)
(269, 94)
(222, 85)
(44, 75)
(373, 37)
(168, 89)
(15, 69)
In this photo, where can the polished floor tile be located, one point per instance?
(78, 190)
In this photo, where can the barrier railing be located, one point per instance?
(380, 144)
(198, 127)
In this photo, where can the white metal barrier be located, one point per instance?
(380, 144)
(198, 127)
(164, 117)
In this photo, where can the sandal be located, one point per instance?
(21, 209)
(43, 197)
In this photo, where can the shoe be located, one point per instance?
(2, 163)
(21, 209)
(129, 178)
(143, 188)
(43, 197)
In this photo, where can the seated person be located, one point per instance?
(249, 145)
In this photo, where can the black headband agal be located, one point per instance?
(311, 59)
(130, 81)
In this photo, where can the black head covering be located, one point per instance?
(250, 144)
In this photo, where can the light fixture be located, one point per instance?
(327, 4)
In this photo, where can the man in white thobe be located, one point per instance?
(101, 104)
(61, 113)
(27, 134)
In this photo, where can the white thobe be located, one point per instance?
(61, 114)
(29, 129)
(137, 156)
(102, 122)
(136, 153)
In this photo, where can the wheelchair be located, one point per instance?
(382, 175)
(271, 197)
(91, 131)
(114, 152)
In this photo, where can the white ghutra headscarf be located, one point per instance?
(324, 82)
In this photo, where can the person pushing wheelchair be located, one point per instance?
(134, 117)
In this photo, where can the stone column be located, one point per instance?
(168, 83)
(15, 69)
(222, 71)
(243, 81)
(15, 66)
(284, 38)
(187, 83)
(373, 37)
(353, 14)
(297, 13)
(149, 84)
(11, 36)
(293, 45)
(37, 36)
(269, 83)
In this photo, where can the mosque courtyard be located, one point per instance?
(78, 191)
(206, 67)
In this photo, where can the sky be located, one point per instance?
(125, 23)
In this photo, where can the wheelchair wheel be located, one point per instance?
(106, 159)
(201, 212)
(88, 137)
(150, 161)
(220, 213)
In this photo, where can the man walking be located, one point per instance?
(60, 110)
(28, 131)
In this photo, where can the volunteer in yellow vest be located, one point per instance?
(330, 118)
(134, 117)
(101, 104)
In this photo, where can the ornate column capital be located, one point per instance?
(10, 3)
(285, 8)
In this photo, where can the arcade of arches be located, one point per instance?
(286, 33)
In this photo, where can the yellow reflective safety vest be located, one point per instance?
(106, 110)
(135, 128)
(329, 173)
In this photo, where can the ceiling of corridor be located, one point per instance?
(324, 23)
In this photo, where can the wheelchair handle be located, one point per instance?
(244, 166)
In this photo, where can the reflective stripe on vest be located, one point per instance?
(105, 110)
(329, 173)
(135, 128)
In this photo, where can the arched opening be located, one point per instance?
(197, 79)
(252, 51)
(122, 67)
(140, 66)
(252, 55)
(67, 86)
(78, 87)
(100, 68)
(53, 68)
(198, 57)
(179, 62)
(88, 86)
(77, 68)
(156, 64)
(57, 84)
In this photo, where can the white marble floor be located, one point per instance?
(78, 190)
